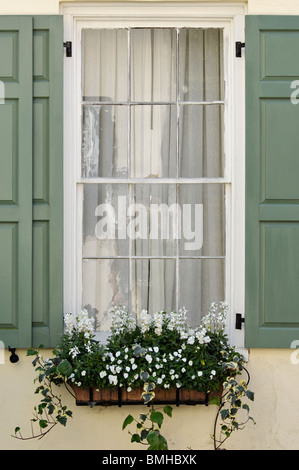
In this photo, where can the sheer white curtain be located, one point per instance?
(150, 122)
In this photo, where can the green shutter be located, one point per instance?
(272, 182)
(31, 53)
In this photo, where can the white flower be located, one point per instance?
(121, 321)
(146, 321)
(215, 320)
(103, 374)
(134, 366)
(112, 379)
(129, 389)
(126, 375)
(149, 358)
(158, 321)
(199, 373)
(156, 349)
(69, 323)
(190, 363)
(83, 372)
(74, 352)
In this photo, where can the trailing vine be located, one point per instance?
(230, 406)
(50, 410)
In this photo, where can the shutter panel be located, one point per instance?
(272, 183)
(31, 180)
(47, 302)
(16, 180)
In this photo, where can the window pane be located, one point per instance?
(155, 220)
(104, 64)
(153, 143)
(104, 141)
(201, 141)
(105, 284)
(201, 283)
(200, 65)
(104, 220)
(154, 285)
(203, 219)
(153, 65)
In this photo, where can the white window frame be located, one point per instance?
(230, 17)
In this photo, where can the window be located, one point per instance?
(152, 185)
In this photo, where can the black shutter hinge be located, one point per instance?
(239, 46)
(239, 321)
(14, 357)
(68, 48)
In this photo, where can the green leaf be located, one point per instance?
(62, 420)
(168, 411)
(65, 368)
(156, 441)
(246, 407)
(214, 401)
(224, 414)
(135, 438)
(249, 394)
(157, 417)
(138, 350)
(143, 417)
(17, 429)
(144, 376)
(51, 408)
(43, 423)
(143, 434)
(149, 386)
(147, 397)
(129, 419)
(31, 352)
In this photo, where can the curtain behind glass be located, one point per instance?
(166, 139)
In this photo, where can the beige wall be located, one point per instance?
(274, 379)
(260, 7)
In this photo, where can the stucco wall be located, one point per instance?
(255, 7)
(274, 378)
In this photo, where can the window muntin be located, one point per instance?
(152, 114)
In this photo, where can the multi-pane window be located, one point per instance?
(152, 170)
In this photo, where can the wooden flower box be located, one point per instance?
(120, 396)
